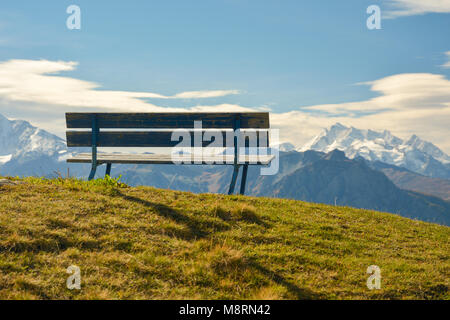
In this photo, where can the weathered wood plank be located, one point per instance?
(167, 159)
(224, 120)
(153, 139)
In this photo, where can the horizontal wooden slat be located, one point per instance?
(255, 120)
(167, 159)
(143, 139)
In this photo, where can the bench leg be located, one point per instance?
(244, 178)
(108, 170)
(93, 170)
(233, 179)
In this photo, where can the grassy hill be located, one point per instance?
(146, 243)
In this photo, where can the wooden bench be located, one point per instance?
(156, 129)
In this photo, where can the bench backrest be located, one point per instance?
(163, 123)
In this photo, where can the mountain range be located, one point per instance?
(413, 154)
(374, 170)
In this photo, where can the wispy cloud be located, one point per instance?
(204, 94)
(401, 8)
(410, 91)
(39, 81)
(447, 64)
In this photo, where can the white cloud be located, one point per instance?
(409, 91)
(401, 8)
(447, 64)
(408, 104)
(205, 94)
(222, 108)
(416, 103)
(38, 81)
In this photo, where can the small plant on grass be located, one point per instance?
(107, 181)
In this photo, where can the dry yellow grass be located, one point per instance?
(144, 243)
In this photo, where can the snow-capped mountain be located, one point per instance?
(27, 150)
(414, 154)
(286, 147)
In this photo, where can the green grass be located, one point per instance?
(145, 243)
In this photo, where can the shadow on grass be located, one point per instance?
(299, 293)
(245, 214)
(195, 231)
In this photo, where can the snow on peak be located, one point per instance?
(18, 137)
(415, 154)
(286, 147)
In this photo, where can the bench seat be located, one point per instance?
(167, 159)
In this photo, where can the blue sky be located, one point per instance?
(283, 56)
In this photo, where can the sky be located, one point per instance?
(309, 63)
